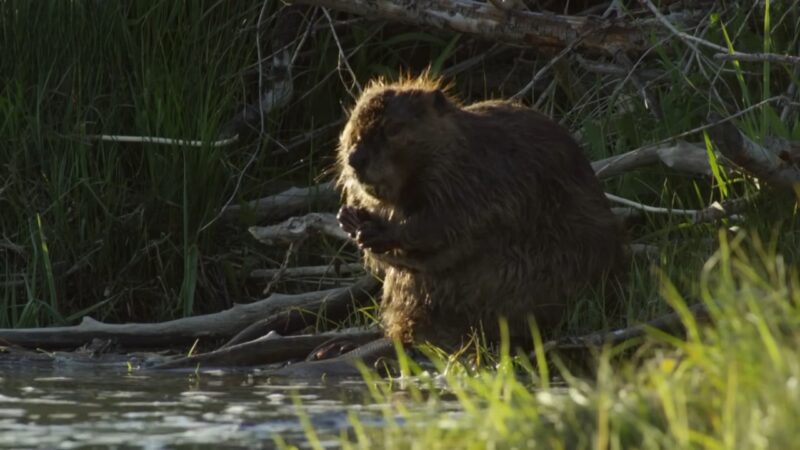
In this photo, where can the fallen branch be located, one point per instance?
(713, 212)
(668, 323)
(777, 163)
(531, 29)
(287, 203)
(268, 349)
(681, 156)
(162, 140)
(607, 68)
(296, 229)
(329, 270)
(180, 331)
(336, 308)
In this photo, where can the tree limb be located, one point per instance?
(180, 331)
(530, 29)
(777, 163)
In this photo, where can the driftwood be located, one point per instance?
(296, 229)
(516, 27)
(776, 163)
(711, 213)
(267, 349)
(300, 310)
(360, 293)
(681, 156)
(286, 204)
(329, 270)
(669, 323)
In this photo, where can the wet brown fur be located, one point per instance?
(471, 213)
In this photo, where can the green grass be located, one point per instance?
(732, 384)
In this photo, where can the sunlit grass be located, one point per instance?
(734, 383)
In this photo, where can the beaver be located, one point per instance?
(470, 213)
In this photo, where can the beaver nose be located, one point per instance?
(358, 159)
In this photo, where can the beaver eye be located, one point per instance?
(391, 129)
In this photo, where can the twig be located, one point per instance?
(310, 271)
(758, 57)
(260, 65)
(227, 203)
(162, 140)
(713, 212)
(652, 209)
(726, 53)
(606, 68)
(279, 273)
(342, 57)
(547, 66)
(455, 69)
(650, 103)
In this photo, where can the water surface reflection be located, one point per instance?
(74, 406)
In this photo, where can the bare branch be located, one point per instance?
(296, 229)
(287, 203)
(221, 324)
(725, 54)
(682, 156)
(330, 270)
(517, 27)
(758, 57)
(268, 349)
(776, 164)
(161, 140)
(713, 212)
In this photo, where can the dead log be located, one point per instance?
(298, 228)
(336, 308)
(668, 323)
(301, 309)
(777, 162)
(682, 156)
(268, 349)
(330, 270)
(288, 203)
(530, 29)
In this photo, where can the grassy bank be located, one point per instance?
(733, 384)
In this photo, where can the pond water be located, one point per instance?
(84, 406)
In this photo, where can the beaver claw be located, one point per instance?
(369, 231)
(352, 218)
(375, 238)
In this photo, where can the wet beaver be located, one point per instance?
(471, 213)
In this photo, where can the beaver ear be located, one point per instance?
(440, 102)
(431, 102)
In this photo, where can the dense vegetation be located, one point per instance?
(132, 231)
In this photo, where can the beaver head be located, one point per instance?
(392, 137)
